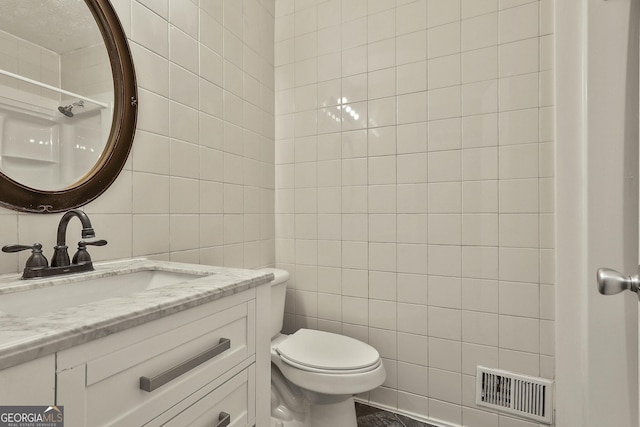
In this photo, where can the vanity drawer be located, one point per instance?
(210, 407)
(111, 387)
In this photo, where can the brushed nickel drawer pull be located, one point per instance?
(225, 420)
(150, 384)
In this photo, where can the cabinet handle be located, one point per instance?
(150, 384)
(225, 420)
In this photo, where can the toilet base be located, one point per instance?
(293, 423)
(341, 414)
(292, 406)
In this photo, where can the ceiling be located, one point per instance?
(58, 25)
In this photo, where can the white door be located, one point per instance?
(612, 134)
(597, 211)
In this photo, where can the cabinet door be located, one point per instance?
(31, 383)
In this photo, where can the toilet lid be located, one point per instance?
(327, 351)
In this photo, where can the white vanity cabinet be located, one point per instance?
(188, 368)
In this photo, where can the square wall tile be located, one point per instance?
(381, 26)
(480, 229)
(445, 385)
(382, 285)
(412, 168)
(411, 17)
(412, 108)
(382, 199)
(445, 134)
(519, 23)
(480, 64)
(520, 299)
(474, 355)
(471, 8)
(445, 323)
(412, 318)
(443, 40)
(519, 264)
(413, 378)
(412, 198)
(412, 288)
(382, 228)
(412, 228)
(480, 131)
(480, 164)
(519, 92)
(445, 291)
(442, 410)
(445, 229)
(381, 54)
(441, 12)
(411, 77)
(480, 328)
(519, 127)
(445, 197)
(519, 57)
(411, 47)
(412, 138)
(480, 196)
(412, 348)
(355, 255)
(519, 333)
(445, 354)
(480, 262)
(480, 32)
(382, 314)
(480, 98)
(149, 29)
(382, 256)
(412, 258)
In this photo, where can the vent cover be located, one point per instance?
(527, 397)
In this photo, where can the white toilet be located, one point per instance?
(315, 374)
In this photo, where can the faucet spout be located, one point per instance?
(60, 254)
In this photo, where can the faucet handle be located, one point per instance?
(18, 248)
(35, 260)
(82, 256)
(100, 242)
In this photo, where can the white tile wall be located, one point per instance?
(433, 210)
(422, 222)
(199, 185)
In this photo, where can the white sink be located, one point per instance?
(71, 291)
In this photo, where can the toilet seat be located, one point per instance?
(330, 371)
(324, 352)
(314, 361)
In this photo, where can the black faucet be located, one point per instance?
(60, 254)
(37, 265)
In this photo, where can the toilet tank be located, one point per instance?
(278, 295)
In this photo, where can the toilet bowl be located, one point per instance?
(314, 373)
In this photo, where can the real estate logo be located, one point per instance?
(31, 416)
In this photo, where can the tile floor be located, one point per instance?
(369, 416)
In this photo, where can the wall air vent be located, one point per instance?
(521, 395)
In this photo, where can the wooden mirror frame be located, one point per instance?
(14, 195)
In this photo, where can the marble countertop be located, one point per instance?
(24, 338)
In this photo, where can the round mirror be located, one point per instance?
(67, 102)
